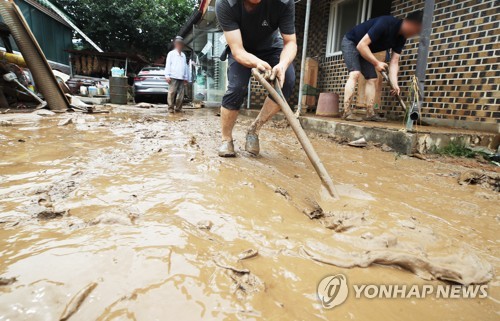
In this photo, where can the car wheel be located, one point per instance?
(139, 99)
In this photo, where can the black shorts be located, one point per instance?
(355, 62)
(238, 77)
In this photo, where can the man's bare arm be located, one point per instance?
(364, 50)
(393, 72)
(235, 42)
(287, 56)
(289, 50)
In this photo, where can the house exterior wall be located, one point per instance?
(52, 35)
(463, 80)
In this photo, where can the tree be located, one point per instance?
(137, 26)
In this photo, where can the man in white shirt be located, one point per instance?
(176, 74)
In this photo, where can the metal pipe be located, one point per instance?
(423, 48)
(304, 54)
(13, 58)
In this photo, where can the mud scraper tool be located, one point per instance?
(279, 98)
(400, 99)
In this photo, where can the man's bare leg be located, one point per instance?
(350, 90)
(228, 119)
(269, 109)
(370, 92)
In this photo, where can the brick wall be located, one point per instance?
(463, 80)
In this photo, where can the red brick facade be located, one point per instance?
(463, 80)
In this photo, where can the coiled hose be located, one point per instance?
(33, 54)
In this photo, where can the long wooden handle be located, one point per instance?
(401, 101)
(299, 132)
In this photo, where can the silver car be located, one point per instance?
(150, 84)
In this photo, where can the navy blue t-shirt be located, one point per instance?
(383, 31)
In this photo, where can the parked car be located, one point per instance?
(150, 85)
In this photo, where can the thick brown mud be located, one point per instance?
(132, 216)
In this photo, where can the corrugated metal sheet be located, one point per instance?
(40, 5)
(53, 35)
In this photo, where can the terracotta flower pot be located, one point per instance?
(328, 105)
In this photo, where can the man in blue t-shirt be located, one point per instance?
(260, 34)
(359, 45)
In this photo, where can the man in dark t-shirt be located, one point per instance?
(260, 34)
(358, 46)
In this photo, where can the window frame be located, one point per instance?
(365, 14)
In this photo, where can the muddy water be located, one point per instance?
(156, 220)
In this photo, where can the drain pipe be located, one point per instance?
(304, 54)
(422, 57)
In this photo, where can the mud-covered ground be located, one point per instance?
(132, 216)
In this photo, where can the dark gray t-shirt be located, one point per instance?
(260, 29)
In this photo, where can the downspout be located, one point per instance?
(423, 53)
(304, 54)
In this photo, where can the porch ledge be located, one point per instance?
(422, 140)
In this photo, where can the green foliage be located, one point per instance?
(137, 26)
(456, 148)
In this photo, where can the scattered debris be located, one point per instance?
(219, 263)
(474, 177)
(419, 156)
(408, 224)
(204, 225)
(481, 149)
(150, 134)
(44, 112)
(5, 123)
(50, 214)
(244, 282)
(343, 221)
(75, 303)
(367, 236)
(110, 219)
(280, 124)
(65, 122)
(359, 143)
(386, 148)
(248, 254)
(7, 281)
(282, 191)
(313, 211)
(144, 105)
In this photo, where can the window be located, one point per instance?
(344, 15)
